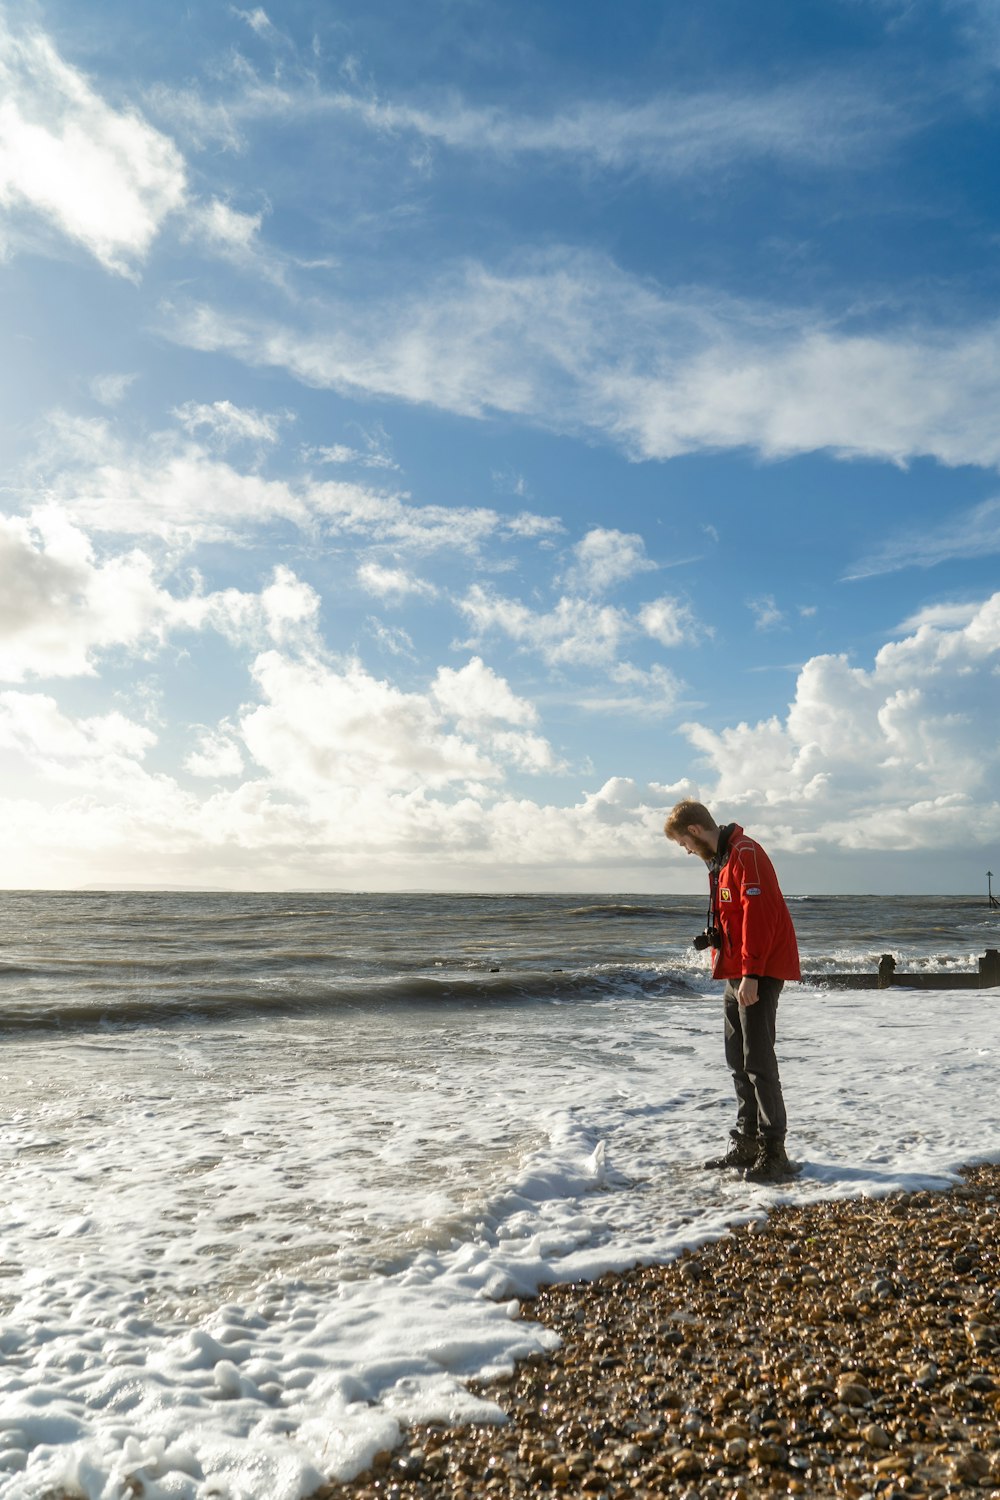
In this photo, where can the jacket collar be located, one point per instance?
(725, 838)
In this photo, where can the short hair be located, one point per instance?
(686, 815)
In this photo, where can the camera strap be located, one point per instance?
(714, 871)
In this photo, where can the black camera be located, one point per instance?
(710, 938)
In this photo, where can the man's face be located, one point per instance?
(693, 840)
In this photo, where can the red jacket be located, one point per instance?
(748, 907)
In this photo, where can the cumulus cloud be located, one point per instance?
(903, 755)
(604, 558)
(34, 724)
(284, 613)
(103, 177)
(218, 756)
(358, 780)
(669, 621)
(59, 605)
(575, 631)
(475, 695)
(574, 343)
(62, 607)
(333, 732)
(326, 731)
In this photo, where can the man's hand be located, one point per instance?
(747, 992)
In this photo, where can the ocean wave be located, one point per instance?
(618, 909)
(225, 1004)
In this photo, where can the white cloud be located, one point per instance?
(637, 691)
(765, 611)
(474, 695)
(393, 583)
(604, 558)
(391, 638)
(328, 732)
(111, 390)
(59, 606)
(669, 621)
(34, 724)
(285, 613)
(971, 533)
(941, 616)
(815, 123)
(361, 782)
(257, 19)
(818, 122)
(575, 631)
(226, 423)
(510, 482)
(103, 177)
(224, 227)
(902, 756)
(575, 344)
(371, 457)
(179, 489)
(217, 756)
(578, 631)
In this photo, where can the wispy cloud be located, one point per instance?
(226, 423)
(765, 611)
(182, 488)
(973, 533)
(822, 121)
(572, 342)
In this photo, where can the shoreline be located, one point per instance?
(848, 1348)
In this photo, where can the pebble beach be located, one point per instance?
(847, 1348)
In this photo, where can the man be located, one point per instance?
(754, 951)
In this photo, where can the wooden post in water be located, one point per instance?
(994, 903)
(886, 969)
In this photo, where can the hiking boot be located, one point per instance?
(742, 1153)
(770, 1164)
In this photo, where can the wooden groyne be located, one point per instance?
(887, 976)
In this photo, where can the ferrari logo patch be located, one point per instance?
(724, 893)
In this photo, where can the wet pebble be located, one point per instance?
(847, 1349)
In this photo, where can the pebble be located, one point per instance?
(834, 1350)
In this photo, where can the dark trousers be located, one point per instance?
(750, 1031)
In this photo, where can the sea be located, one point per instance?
(278, 1169)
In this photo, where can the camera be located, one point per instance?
(710, 938)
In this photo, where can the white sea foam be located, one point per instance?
(234, 1262)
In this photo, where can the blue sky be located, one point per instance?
(436, 438)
